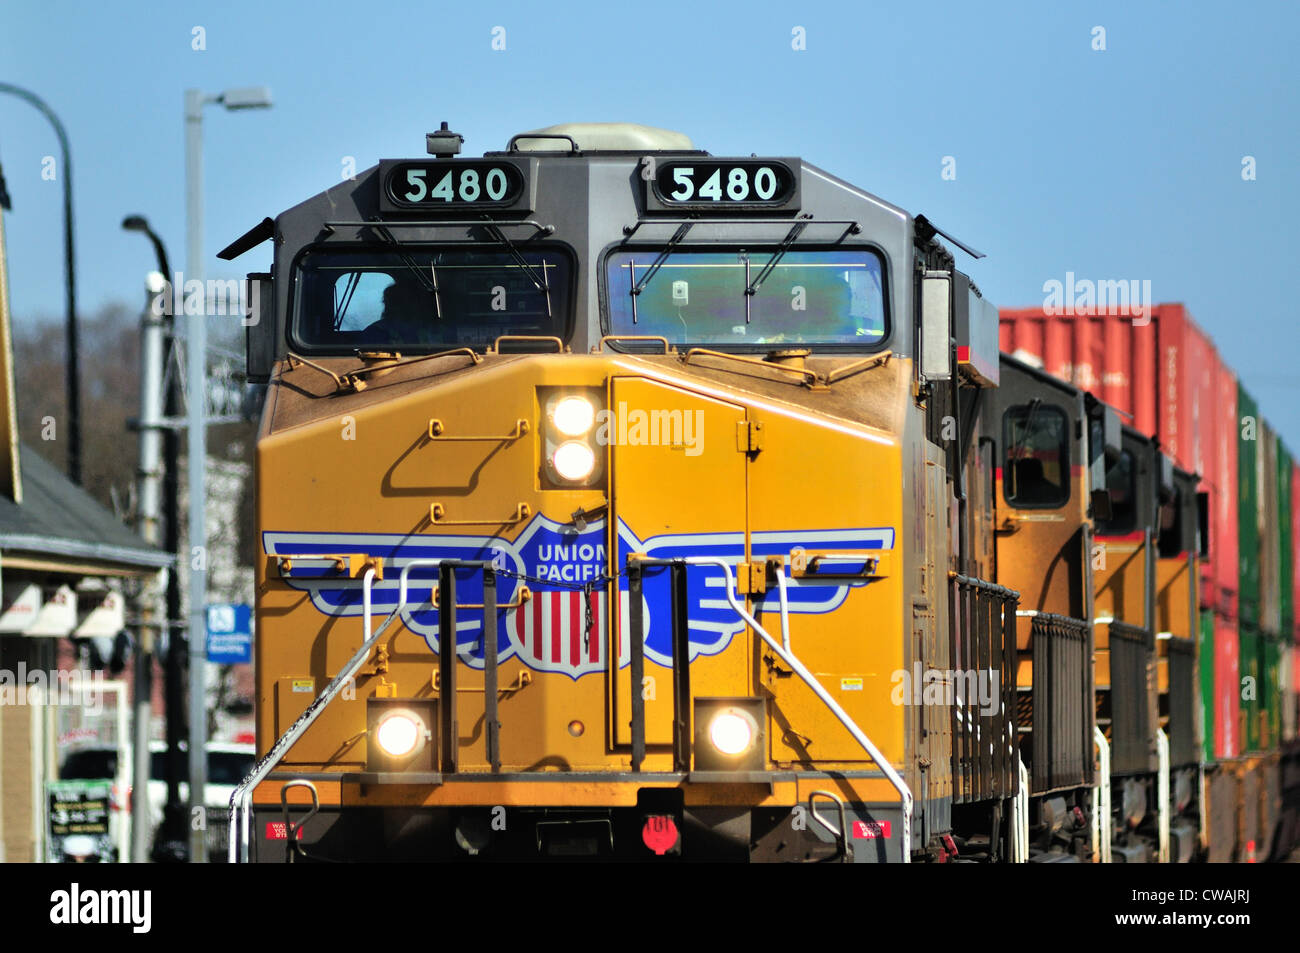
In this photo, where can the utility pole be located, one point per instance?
(196, 351)
(252, 97)
(148, 477)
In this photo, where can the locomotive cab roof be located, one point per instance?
(619, 138)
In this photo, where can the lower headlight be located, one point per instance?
(729, 733)
(574, 460)
(400, 732)
(732, 731)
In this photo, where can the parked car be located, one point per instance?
(228, 764)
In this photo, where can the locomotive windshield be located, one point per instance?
(829, 297)
(428, 299)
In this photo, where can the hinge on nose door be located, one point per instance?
(749, 436)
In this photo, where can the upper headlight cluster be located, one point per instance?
(570, 456)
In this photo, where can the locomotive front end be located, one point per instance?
(592, 494)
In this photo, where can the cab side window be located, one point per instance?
(1121, 483)
(1036, 468)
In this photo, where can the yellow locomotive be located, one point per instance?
(703, 467)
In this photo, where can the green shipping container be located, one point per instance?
(1271, 693)
(1248, 554)
(1252, 686)
(1270, 529)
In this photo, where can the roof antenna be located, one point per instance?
(443, 144)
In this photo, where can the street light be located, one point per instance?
(248, 97)
(72, 368)
(138, 223)
(172, 844)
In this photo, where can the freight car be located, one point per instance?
(618, 499)
(1164, 373)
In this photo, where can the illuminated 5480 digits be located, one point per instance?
(445, 184)
(711, 182)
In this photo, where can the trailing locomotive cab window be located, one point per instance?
(1172, 540)
(1036, 472)
(422, 299)
(749, 298)
(1122, 483)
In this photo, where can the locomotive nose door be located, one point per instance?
(677, 488)
(829, 497)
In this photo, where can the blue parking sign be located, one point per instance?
(230, 634)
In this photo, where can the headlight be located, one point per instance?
(729, 734)
(399, 732)
(732, 731)
(574, 460)
(573, 416)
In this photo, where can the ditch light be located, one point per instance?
(730, 734)
(400, 734)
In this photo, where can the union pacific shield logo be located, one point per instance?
(565, 625)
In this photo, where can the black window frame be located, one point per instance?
(1113, 527)
(770, 247)
(295, 276)
(1037, 409)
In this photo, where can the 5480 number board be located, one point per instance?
(434, 185)
(720, 185)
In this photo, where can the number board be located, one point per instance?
(721, 185)
(434, 185)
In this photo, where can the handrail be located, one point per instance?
(543, 338)
(1020, 815)
(1102, 806)
(786, 655)
(851, 225)
(1162, 795)
(841, 834)
(848, 370)
(600, 345)
(437, 428)
(808, 378)
(241, 797)
(437, 511)
(352, 380)
(446, 223)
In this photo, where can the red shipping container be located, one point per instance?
(1166, 375)
(1227, 689)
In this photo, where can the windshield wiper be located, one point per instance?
(341, 305)
(781, 249)
(428, 282)
(539, 283)
(639, 286)
(1022, 442)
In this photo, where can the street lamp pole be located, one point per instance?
(173, 842)
(72, 364)
(257, 97)
(197, 346)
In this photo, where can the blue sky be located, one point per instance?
(1117, 164)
